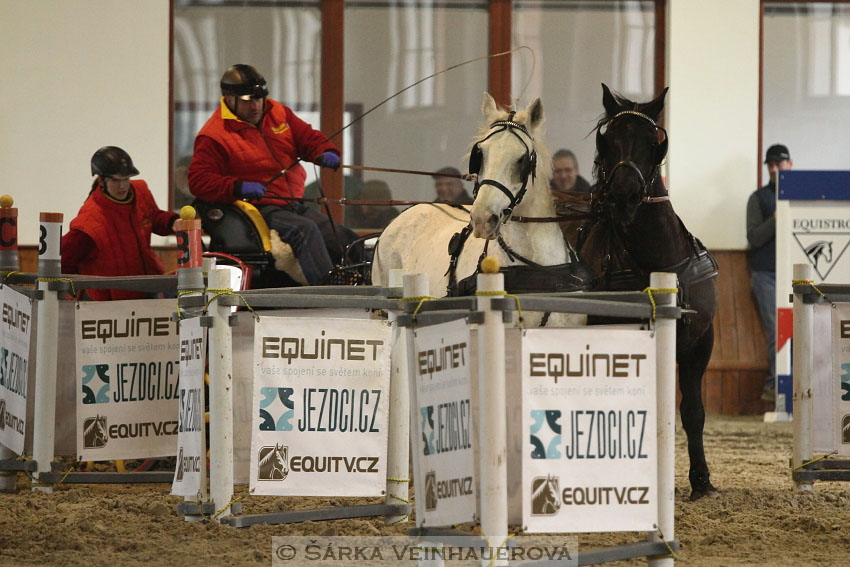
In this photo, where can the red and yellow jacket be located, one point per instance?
(229, 150)
(112, 238)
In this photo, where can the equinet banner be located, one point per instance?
(127, 379)
(321, 404)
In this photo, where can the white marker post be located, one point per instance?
(491, 414)
(221, 397)
(803, 361)
(49, 266)
(8, 263)
(398, 436)
(190, 280)
(665, 366)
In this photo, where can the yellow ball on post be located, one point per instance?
(187, 212)
(6, 202)
(490, 265)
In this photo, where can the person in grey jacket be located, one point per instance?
(761, 236)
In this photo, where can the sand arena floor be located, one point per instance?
(756, 520)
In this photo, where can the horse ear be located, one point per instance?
(535, 114)
(488, 106)
(610, 103)
(654, 108)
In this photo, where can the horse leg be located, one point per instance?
(691, 370)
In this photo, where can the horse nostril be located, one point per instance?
(493, 220)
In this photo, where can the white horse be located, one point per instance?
(513, 180)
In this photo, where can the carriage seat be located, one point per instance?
(239, 229)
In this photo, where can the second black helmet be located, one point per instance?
(112, 160)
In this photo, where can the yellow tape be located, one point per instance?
(181, 293)
(227, 291)
(822, 457)
(811, 284)
(504, 294)
(421, 299)
(69, 280)
(650, 290)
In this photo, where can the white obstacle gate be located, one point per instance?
(213, 304)
(821, 379)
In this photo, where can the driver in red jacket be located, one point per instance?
(249, 149)
(111, 235)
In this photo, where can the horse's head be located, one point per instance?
(630, 147)
(506, 161)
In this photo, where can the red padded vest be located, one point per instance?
(122, 235)
(228, 150)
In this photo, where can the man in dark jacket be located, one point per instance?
(449, 186)
(761, 236)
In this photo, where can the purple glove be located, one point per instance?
(330, 160)
(252, 190)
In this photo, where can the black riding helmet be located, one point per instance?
(112, 160)
(243, 80)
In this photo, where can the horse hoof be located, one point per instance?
(704, 493)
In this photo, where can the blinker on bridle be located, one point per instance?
(529, 164)
(659, 152)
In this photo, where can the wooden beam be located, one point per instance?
(499, 82)
(332, 80)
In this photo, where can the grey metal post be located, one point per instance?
(221, 398)
(9, 262)
(665, 396)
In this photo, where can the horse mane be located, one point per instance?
(544, 157)
(269, 456)
(543, 486)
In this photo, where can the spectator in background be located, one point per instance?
(372, 216)
(565, 177)
(450, 189)
(111, 235)
(761, 236)
(570, 192)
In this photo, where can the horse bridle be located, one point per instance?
(528, 166)
(659, 153)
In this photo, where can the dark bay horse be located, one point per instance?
(634, 231)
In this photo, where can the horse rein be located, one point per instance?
(659, 157)
(529, 167)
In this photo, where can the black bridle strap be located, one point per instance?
(514, 200)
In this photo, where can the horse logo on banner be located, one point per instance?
(544, 496)
(431, 491)
(94, 432)
(823, 250)
(273, 462)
